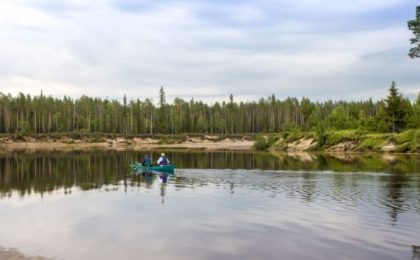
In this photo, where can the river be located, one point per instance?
(218, 205)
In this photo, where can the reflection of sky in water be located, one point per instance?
(215, 214)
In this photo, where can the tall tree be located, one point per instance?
(125, 127)
(163, 122)
(414, 121)
(414, 26)
(395, 109)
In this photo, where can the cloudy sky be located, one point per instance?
(207, 49)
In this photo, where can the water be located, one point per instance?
(221, 205)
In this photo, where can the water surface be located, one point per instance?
(221, 205)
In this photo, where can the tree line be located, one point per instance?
(40, 114)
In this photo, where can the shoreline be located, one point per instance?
(184, 142)
(15, 254)
(339, 142)
(344, 141)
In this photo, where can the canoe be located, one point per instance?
(155, 168)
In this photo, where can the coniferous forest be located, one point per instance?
(41, 114)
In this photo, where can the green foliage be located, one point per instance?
(263, 142)
(42, 114)
(396, 110)
(414, 118)
(335, 137)
(405, 136)
(292, 134)
(162, 122)
(408, 141)
(373, 141)
(23, 128)
(414, 26)
(402, 148)
(320, 134)
(339, 118)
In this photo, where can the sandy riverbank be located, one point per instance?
(136, 143)
(13, 254)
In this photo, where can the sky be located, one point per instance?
(207, 49)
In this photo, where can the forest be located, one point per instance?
(41, 114)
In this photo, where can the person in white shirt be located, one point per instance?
(163, 160)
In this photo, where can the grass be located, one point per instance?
(335, 137)
(406, 141)
(296, 135)
(374, 141)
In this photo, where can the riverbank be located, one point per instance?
(343, 141)
(13, 254)
(78, 141)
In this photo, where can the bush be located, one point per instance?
(320, 135)
(263, 142)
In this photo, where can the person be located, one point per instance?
(147, 161)
(163, 160)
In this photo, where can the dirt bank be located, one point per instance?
(301, 145)
(205, 142)
(13, 254)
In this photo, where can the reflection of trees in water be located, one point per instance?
(416, 252)
(396, 194)
(46, 172)
(42, 172)
(308, 189)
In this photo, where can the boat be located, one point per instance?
(169, 169)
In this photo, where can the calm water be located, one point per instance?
(223, 205)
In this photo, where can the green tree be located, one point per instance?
(306, 108)
(162, 114)
(414, 26)
(414, 121)
(339, 118)
(396, 109)
(231, 113)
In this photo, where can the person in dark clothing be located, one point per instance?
(147, 161)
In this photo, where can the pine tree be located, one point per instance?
(414, 26)
(162, 112)
(414, 121)
(125, 127)
(395, 109)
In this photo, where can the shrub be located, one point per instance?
(263, 142)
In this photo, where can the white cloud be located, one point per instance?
(329, 6)
(94, 48)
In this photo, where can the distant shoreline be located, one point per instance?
(194, 142)
(346, 141)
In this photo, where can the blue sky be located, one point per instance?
(322, 49)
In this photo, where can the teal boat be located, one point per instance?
(137, 167)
